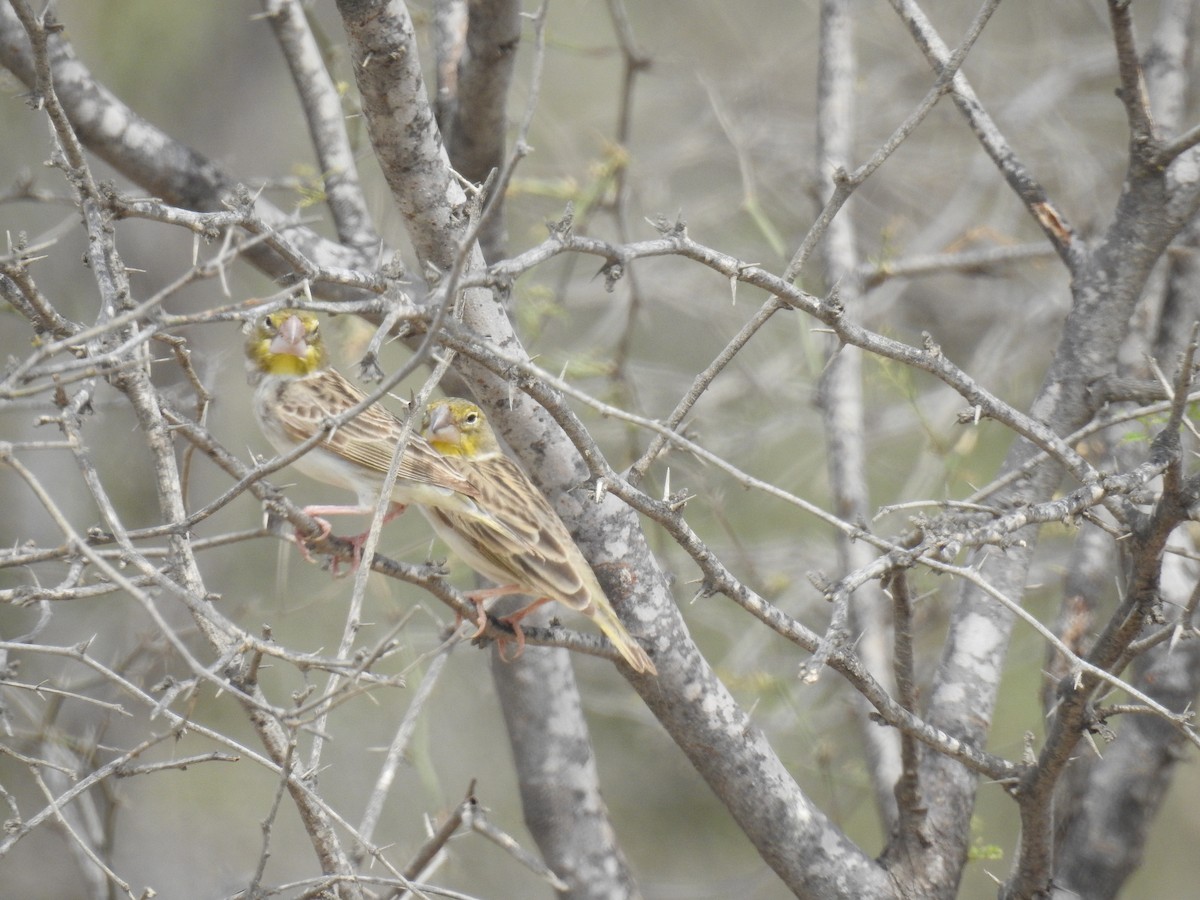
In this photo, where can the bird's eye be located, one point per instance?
(471, 418)
(269, 321)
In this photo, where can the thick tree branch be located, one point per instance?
(326, 124)
(148, 156)
(473, 104)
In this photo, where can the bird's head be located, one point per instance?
(287, 343)
(458, 428)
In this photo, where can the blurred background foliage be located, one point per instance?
(723, 136)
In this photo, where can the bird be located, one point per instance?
(296, 390)
(523, 546)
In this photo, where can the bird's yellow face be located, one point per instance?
(458, 428)
(287, 343)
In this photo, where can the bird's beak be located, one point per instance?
(290, 339)
(442, 427)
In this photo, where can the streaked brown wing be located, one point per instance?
(526, 539)
(370, 438)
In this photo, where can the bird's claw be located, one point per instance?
(518, 633)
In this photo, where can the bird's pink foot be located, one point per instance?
(480, 598)
(302, 542)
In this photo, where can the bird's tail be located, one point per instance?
(605, 617)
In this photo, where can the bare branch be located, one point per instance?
(1051, 220)
(323, 112)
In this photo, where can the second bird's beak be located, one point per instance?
(442, 427)
(290, 339)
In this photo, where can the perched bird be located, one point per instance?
(296, 391)
(523, 546)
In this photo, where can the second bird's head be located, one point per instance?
(458, 428)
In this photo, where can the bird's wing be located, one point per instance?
(370, 438)
(524, 537)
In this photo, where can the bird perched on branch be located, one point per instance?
(297, 391)
(522, 545)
